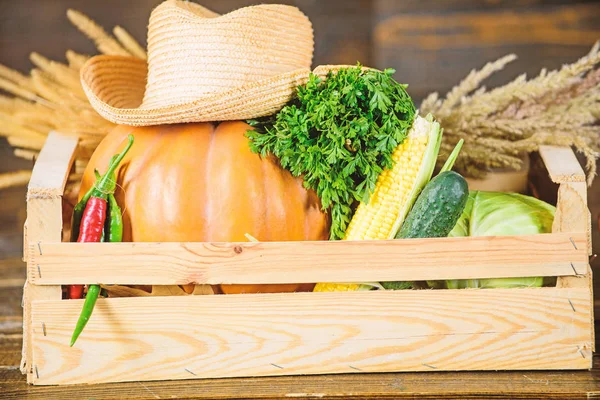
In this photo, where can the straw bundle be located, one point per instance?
(16, 178)
(559, 107)
(51, 97)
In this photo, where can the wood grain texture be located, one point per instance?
(306, 262)
(519, 385)
(12, 218)
(433, 44)
(51, 169)
(12, 278)
(503, 27)
(44, 221)
(562, 164)
(449, 6)
(10, 351)
(572, 213)
(308, 333)
(556, 385)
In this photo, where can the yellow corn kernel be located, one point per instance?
(336, 287)
(375, 220)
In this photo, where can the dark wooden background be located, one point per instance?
(431, 43)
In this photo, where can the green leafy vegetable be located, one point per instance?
(339, 134)
(501, 214)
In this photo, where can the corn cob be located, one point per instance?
(336, 287)
(396, 190)
(346, 287)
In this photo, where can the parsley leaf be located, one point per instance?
(339, 135)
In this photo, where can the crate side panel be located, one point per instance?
(130, 339)
(44, 223)
(572, 214)
(290, 262)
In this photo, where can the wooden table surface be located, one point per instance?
(512, 385)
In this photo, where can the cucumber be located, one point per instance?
(435, 213)
(437, 209)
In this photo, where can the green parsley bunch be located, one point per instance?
(339, 133)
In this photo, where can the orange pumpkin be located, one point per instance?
(200, 182)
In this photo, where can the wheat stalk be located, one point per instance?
(52, 98)
(560, 107)
(104, 42)
(17, 90)
(15, 77)
(76, 60)
(129, 43)
(60, 73)
(471, 83)
(16, 178)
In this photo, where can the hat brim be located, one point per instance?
(115, 87)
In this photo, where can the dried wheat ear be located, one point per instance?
(560, 107)
(51, 97)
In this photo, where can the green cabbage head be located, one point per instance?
(502, 214)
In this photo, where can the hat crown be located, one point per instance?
(193, 51)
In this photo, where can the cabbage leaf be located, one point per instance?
(502, 214)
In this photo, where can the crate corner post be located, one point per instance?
(572, 215)
(43, 224)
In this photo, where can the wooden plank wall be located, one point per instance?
(433, 44)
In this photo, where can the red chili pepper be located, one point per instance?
(75, 291)
(92, 226)
(94, 215)
(92, 221)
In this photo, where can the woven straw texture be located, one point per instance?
(206, 67)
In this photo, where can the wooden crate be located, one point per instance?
(191, 337)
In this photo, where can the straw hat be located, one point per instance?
(206, 67)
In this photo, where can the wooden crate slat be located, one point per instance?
(288, 262)
(51, 169)
(562, 164)
(572, 213)
(44, 222)
(193, 337)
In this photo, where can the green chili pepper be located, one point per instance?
(86, 312)
(113, 228)
(114, 233)
(114, 224)
(98, 176)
